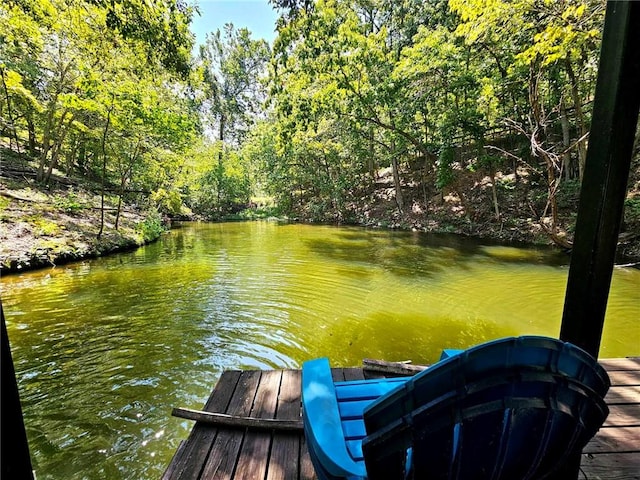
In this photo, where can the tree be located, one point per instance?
(82, 79)
(232, 65)
(551, 53)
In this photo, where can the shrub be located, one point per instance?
(168, 202)
(632, 209)
(151, 227)
(70, 203)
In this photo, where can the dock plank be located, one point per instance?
(306, 466)
(171, 469)
(252, 461)
(624, 377)
(353, 374)
(612, 440)
(623, 394)
(222, 460)
(284, 460)
(618, 466)
(620, 364)
(190, 459)
(623, 416)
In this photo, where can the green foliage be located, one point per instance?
(382, 83)
(232, 64)
(109, 91)
(69, 203)
(168, 202)
(151, 227)
(215, 189)
(632, 209)
(162, 28)
(99, 88)
(446, 175)
(260, 212)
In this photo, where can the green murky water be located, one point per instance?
(105, 348)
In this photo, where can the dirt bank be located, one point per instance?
(471, 207)
(44, 228)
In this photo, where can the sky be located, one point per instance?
(256, 15)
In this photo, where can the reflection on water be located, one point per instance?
(105, 348)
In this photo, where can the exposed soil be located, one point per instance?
(48, 226)
(472, 213)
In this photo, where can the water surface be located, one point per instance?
(105, 348)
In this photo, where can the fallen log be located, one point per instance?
(391, 368)
(224, 420)
(15, 196)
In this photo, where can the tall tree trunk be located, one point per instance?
(103, 146)
(123, 180)
(119, 207)
(82, 155)
(396, 177)
(220, 167)
(566, 140)
(9, 113)
(46, 138)
(580, 122)
(57, 146)
(494, 190)
(371, 161)
(31, 129)
(71, 156)
(425, 164)
(538, 137)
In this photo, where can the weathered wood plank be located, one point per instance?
(623, 395)
(391, 368)
(189, 460)
(614, 364)
(307, 471)
(624, 377)
(171, 469)
(233, 421)
(623, 416)
(615, 440)
(337, 374)
(611, 466)
(284, 460)
(222, 460)
(252, 461)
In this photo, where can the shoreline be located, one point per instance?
(113, 242)
(39, 230)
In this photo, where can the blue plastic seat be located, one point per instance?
(508, 409)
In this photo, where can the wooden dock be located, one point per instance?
(236, 453)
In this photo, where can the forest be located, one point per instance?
(467, 116)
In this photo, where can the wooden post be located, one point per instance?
(14, 449)
(613, 127)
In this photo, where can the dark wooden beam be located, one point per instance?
(238, 421)
(613, 127)
(14, 449)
